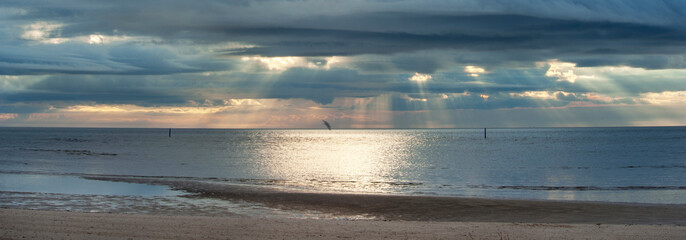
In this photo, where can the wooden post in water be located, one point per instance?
(484, 132)
(169, 132)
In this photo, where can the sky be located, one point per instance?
(353, 63)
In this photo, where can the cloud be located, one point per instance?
(386, 27)
(46, 32)
(421, 64)
(664, 98)
(647, 61)
(474, 71)
(562, 71)
(628, 81)
(487, 55)
(323, 86)
(467, 100)
(418, 77)
(74, 58)
(280, 64)
(481, 34)
(7, 116)
(97, 89)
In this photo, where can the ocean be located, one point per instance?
(85, 169)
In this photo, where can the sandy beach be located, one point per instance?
(393, 217)
(31, 224)
(389, 216)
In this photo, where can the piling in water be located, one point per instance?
(484, 132)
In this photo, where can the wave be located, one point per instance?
(73, 152)
(656, 166)
(69, 140)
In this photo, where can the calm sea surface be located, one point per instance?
(641, 165)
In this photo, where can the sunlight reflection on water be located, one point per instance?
(339, 160)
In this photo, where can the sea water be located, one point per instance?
(624, 164)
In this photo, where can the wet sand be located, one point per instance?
(31, 224)
(431, 208)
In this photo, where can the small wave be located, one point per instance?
(73, 152)
(88, 175)
(580, 188)
(312, 181)
(402, 183)
(145, 178)
(580, 168)
(69, 140)
(656, 166)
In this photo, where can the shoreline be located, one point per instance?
(208, 197)
(18, 224)
(429, 208)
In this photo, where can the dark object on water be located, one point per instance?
(484, 132)
(170, 132)
(327, 124)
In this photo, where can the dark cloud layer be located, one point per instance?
(87, 89)
(384, 29)
(73, 58)
(494, 32)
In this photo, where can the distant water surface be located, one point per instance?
(639, 165)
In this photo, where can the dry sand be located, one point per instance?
(21, 224)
